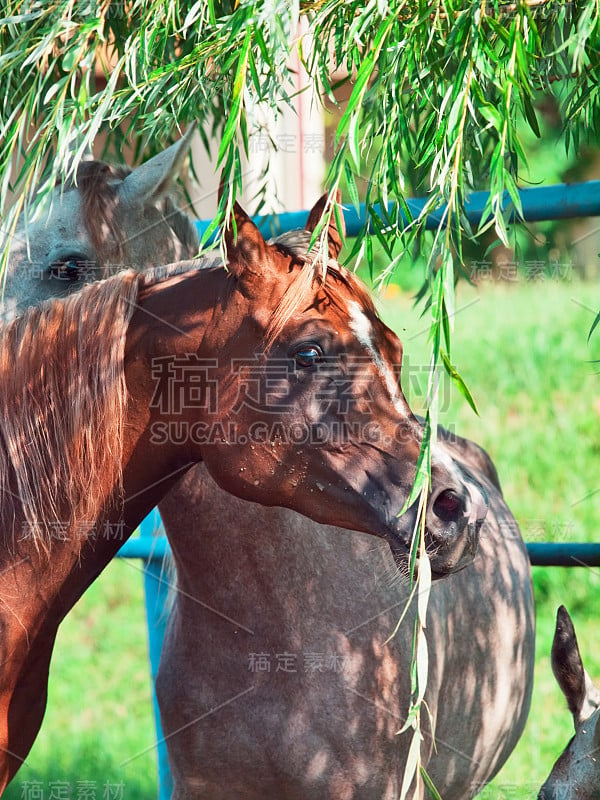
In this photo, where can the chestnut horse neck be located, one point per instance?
(74, 478)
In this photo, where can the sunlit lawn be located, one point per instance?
(523, 352)
(99, 712)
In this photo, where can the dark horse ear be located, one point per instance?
(334, 236)
(567, 664)
(581, 694)
(245, 245)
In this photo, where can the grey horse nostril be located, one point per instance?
(448, 506)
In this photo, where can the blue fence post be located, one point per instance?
(156, 587)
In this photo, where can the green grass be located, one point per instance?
(524, 354)
(99, 710)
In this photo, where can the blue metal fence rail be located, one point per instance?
(153, 549)
(541, 203)
(562, 201)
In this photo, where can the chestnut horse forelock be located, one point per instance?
(295, 244)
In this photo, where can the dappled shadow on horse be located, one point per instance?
(277, 678)
(85, 381)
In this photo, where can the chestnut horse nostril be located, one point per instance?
(448, 506)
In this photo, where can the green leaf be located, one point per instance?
(458, 381)
(413, 592)
(421, 656)
(422, 471)
(594, 325)
(233, 122)
(435, 795)
(424, 588)
(353, 143)
(351, 184)
(363, 76)
(492, 115)
(513, 192)
(413, 763)
(191, 16)
(355, 100)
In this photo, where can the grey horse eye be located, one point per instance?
(70, 268)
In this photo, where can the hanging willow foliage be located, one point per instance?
(442, 87)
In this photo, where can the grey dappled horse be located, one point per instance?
(316, 608)
(576, 774)
(276, 680)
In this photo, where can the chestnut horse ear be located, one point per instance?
(334, 239)
(244, 244)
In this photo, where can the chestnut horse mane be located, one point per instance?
(98, 184)
(62, 403)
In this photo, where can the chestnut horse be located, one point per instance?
(576, 774)
(88, 383)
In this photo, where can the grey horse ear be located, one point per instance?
(153, 178)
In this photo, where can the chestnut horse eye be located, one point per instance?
(307, 355)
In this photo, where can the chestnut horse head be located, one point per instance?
(310, 413)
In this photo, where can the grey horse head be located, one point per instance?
(108, 219)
